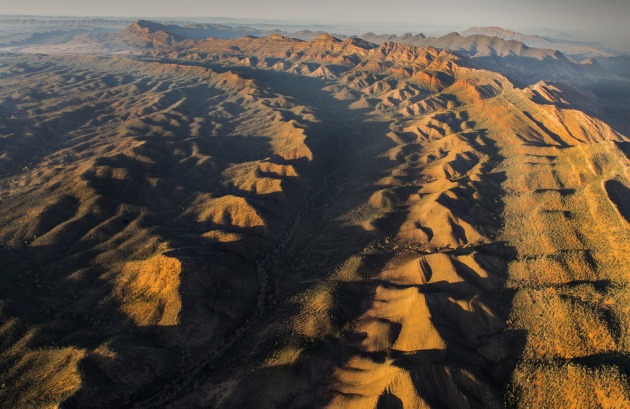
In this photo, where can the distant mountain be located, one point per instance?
(504, 34)
(619, 65)
(484, 46)
(510, 57)
(148, 34)
(64, 23)
(145, 33)
(306, 35)
(523, 64)
(406, 38)
(574, 49)
(195, 31)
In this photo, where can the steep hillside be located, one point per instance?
(272, 222)
(525, 62)
(520, 63)
(153, 190)
(144, 33)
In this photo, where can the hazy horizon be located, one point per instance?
(607, 19)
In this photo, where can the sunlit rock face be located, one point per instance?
(331, 222)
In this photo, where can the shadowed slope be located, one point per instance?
(437, 318)
(160, 202)
(280, 223)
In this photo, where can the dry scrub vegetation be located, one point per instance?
(267, 222)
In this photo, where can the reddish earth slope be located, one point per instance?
(279, 223)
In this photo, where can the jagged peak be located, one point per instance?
(148, 24)
(325, 37)
(405, 51)
(360, 43)
(558, 55)
(277, 37)
(393, 46)
(591, 62)
(542, 84)
(149, 33)
(282, 39)
(496, 29)
(453, 34)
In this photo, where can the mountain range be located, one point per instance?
(266, 221)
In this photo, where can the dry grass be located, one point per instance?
(241, 237)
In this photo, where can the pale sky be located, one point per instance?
(609, 18)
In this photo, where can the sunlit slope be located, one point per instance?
(437, 323)
(278, 223)
(136, 200)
